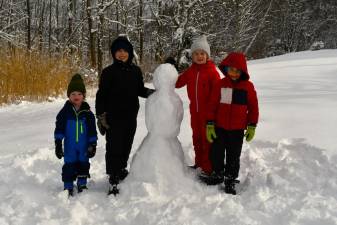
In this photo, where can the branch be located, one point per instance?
(18, 21)
(259, 28)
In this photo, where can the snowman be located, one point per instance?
(160, 160)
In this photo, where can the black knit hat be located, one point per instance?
(122, 43)
(76, 84)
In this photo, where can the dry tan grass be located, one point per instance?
(33, 76)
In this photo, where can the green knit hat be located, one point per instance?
(76, 84)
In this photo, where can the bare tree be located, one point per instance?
(141, 30)
(41, 27)
(29, 19)
(91, 33)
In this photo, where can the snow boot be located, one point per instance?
(113, 189)
(212, 179)
(80, 188)
(113, 184)
(70, 192)
(230, 185)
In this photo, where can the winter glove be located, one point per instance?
(250, 132)
(102, 123)
(91, 152)
(210, 131)
(58, 149)
(150, 92)
(172, 61)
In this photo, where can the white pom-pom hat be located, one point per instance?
(201, 43)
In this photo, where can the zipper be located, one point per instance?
(196, 91)
(81, 127)
(230, 108)
(77, 127)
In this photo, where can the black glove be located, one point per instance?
(58, 149)
(91, 152)
(102, 123)
(150, 92)
(172, 61)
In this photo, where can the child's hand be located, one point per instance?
(250, 132)
(210, 131)
(58, 149)
(91, 152)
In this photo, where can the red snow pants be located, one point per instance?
(200, 143)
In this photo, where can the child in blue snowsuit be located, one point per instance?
(75, 124)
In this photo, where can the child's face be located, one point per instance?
(199, 57)
(76, 98)
(122, 55)
(233, 73)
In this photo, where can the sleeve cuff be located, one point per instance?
(93, 140)
(58, 136)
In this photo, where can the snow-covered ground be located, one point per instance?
(288, 172)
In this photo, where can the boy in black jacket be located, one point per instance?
(117, 107)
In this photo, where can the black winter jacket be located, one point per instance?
(119, 87)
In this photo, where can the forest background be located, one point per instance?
(43, 42)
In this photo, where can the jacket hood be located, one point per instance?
(237, 60)
(122, 43)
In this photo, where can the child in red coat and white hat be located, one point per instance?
(233, 109)
(200, 79)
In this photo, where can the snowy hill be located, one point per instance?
(288, 172)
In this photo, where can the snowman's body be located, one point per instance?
(159, 159)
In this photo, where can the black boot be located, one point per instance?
(213, 179)
(230, 185)
(123, 174)
(113, 184)
(81, 188)
(70, 192)
(113, 189)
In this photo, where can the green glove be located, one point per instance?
(210, 131)
(250, 132)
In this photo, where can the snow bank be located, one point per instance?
(288, 182)
(297, 97)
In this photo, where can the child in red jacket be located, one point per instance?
(233, 109)
(200, 79)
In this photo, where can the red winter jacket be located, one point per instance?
(234, 104)
(200, 81)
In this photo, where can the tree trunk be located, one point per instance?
(141, 31)
(29, 20)
(92, 52)
(50, 28)
(40, 32)
(117, 17)
(100, 37)
(70, 24)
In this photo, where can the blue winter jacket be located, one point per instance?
(78, 129)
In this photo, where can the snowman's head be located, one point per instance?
(165, 77)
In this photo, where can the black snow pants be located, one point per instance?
(119, 139)
(227, 147)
